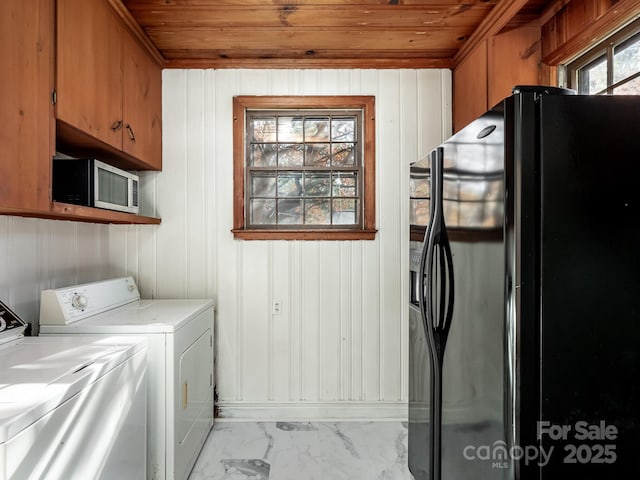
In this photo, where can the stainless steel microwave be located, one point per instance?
(94, 183)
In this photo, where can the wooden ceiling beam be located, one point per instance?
(309, 63)
(317, 16)
(549, 12)
(305, 39)
(145, 4)
(495, 21)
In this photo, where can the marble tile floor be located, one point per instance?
(304, 451)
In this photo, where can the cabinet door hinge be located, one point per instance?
(211, 379)
(54, 96)
(211, 340)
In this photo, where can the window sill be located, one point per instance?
(242, 234)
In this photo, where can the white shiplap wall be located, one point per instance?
(40, 254)
(338, 349)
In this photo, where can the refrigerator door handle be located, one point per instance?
(436, 315)
(425, 301)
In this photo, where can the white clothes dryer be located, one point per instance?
(180, 366)
(71, 407)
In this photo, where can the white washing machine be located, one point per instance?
(180, 378)
(70, 407)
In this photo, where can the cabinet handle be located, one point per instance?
(131, 134)
(116, 125)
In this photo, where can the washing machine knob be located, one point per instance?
(79, 302)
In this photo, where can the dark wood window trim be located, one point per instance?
(243, 103)
(603, 51)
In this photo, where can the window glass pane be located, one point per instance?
(317, 185)
(317, 155)
(593, 77)
(626, 59)
(343, 130)
(631, 87)
(263, 155)
(304, 168)
(290, 155)
(317, 212)
(290, 129)
(262, 129)
(290, 185)
(263, 185)
(289, 212)
(343, 154)
(263, 212)
(345, 212)
(344, 185)
(316, 130)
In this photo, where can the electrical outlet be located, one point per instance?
(276, 307)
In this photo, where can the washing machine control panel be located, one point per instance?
(11, 325)
(63, 306)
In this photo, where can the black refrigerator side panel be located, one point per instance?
(590, 286)
(522, 227)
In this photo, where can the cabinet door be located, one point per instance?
(142, 104)
(26, 112)
(89, 69)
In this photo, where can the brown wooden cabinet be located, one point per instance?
(108, 88)
(26, 112)
(28, 128)
(142, 105)
(89, 69)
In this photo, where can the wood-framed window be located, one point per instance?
(304, 167)
(610, 68)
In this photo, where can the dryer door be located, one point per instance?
(194, 395)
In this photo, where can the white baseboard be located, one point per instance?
(311, 411)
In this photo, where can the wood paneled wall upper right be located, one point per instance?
(530, 54)
(569, 21)
(581, 24)
(489, 73)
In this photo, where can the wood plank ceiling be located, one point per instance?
(325, 33)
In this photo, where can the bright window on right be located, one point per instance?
(610, 68)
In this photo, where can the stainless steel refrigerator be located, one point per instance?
(525, 293)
